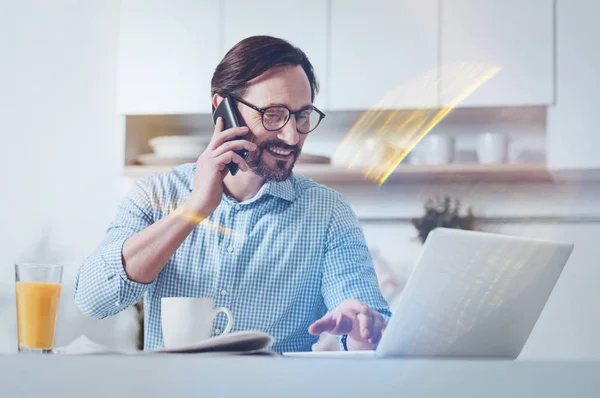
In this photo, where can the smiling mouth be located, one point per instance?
(280, 152)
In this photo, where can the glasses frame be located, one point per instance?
(262, 111)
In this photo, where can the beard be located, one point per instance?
(272, 169)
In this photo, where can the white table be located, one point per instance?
(221, 376)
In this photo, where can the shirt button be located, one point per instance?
(230, 249)
(223, 292)
(238, 207)
(217, 331)
(117, 303)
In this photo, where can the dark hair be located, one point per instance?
(254, 56)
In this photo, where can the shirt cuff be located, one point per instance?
(129, 291)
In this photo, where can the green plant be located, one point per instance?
(442, 212)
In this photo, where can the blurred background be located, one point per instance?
(486, 102)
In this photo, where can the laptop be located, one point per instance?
(471, 294)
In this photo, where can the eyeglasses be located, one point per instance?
(277, 116)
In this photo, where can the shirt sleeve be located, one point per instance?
(102, 287)
(348, 271)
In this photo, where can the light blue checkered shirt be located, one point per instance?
(278, 261)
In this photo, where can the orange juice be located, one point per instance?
(37, 305)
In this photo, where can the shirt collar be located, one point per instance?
(280, 189)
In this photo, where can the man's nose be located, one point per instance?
(288, 133)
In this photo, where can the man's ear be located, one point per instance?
(216, 100)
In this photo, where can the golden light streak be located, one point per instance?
(202, 222)
(180, 211)
(395, 133)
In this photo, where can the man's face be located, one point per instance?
(277, 150)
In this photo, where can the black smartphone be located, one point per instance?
(227, 110)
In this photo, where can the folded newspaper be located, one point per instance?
(241, 343)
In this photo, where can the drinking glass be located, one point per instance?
(37, 288)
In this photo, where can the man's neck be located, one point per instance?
(242, 186)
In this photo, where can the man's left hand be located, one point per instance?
(363, 325)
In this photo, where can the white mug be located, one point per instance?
(492, 148)
(186, 321)
(436, 149)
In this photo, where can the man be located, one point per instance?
(277, 249)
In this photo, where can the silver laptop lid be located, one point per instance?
(473, 294)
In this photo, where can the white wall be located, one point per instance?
(61, 150)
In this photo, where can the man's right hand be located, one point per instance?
(211, 168)
(145, 253)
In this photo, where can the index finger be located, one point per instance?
(218, 125)
(355, 307)
(324, 324)
(334, 323)
(221, 136)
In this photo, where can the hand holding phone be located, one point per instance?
(228, 112)
(214, 165)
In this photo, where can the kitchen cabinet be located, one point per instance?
(168, 50)
(514, 35)
(573, 140)
(305, 26)
(390, 54)
(384, 54)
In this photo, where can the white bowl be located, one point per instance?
(151, 159)
(178, 146)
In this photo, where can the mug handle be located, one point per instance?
(229, 319)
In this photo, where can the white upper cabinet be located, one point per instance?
(384, 54)
(390, 54)
(515, 36)
(303, 24)
(573, 137)
(168, 50)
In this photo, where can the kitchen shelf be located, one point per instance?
(454, 173)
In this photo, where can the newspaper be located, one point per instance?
(240, 343)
